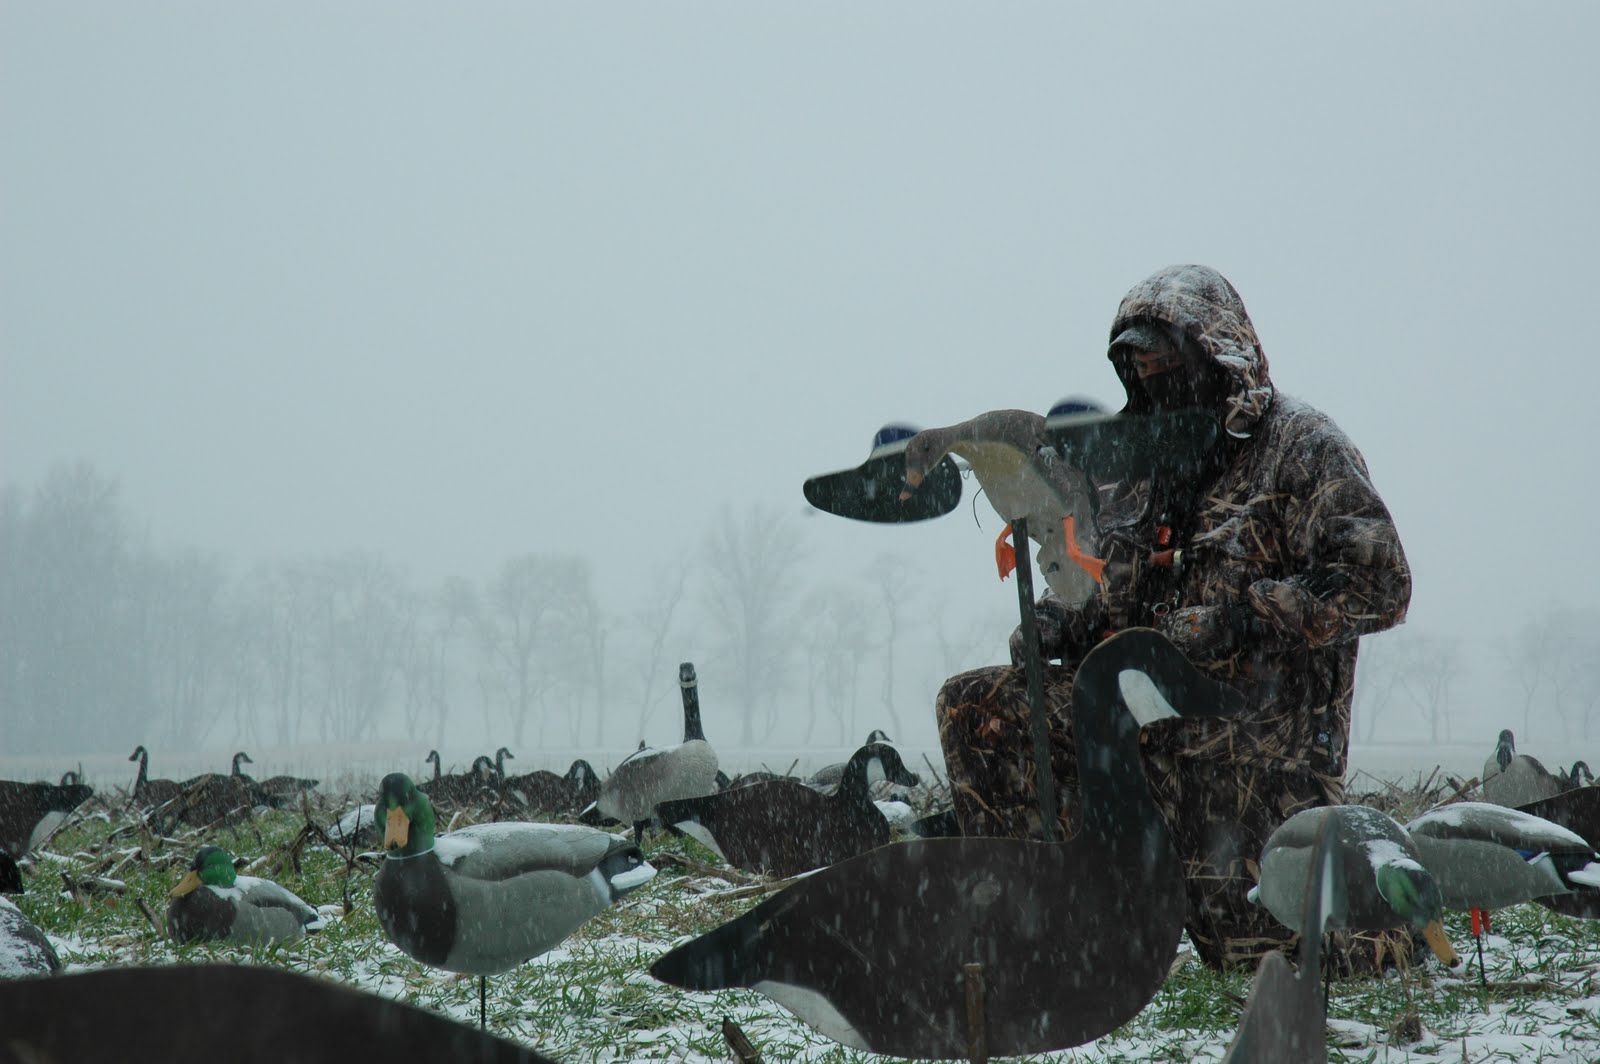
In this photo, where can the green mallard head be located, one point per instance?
(1413, 894)
(212, 867)
(408, 826)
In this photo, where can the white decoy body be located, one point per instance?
(652, 775)
(1512, 779)
(1486, 856)
(1023, 477)
(24, 949)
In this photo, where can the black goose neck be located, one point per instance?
(692, 728)
(1115, 795)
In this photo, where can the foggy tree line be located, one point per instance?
(107, 640)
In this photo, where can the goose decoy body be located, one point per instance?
(212, 902)
(146, 791)
(1284, 1019)
(544, 791)
(460, 788)
(1514, 780)
(1386, 884)
(282, 790)
(24, 949)
(31, 811)
(652, 775)
(1074, 937)
(10, 875)
(259, 1013)
(785, 828)
(212, 797)
(1023, 477)
(483, 899)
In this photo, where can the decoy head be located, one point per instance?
(1413, 894)
(501, 756)
(580, 773)
(923, 451)
(138, 752)
(1581, 774)
(878, 736)
(241, 756)
(211, 867)
(408, 826)
(1504, 749)
(482, 767)
(70, 778)
(1156, 681)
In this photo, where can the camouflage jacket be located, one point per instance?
(1287, 552)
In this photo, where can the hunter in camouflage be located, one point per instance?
(1264, 571)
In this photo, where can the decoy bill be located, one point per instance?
(1074, 937)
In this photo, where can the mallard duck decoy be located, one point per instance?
(24, 949)
(258, 1013)
(212, 902)
(483, 899)
(1485, 857)
(785, 828)
(652, 775)
(1512, 779)
(1023, 477)
(31, 811)
(1074, 938)
(1285, 1018)
(1385, 881)
(148, 792)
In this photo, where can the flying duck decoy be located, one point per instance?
(1386, 883)
(874, 490)
(652, 775)
(1023, 477)
(258, 1014)
(24, 949)
(1073, 938)
(483, 899)
(29, 812)
(1512, 779)
(146, 791)
(212, 902)
(1487, 857)
(785, 828)
(1285, 1018)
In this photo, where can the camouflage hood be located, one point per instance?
(1206, 312)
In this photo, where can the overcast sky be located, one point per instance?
(458, 282)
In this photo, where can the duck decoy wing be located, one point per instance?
(265, 894)
(872, 491)
(507, 850)
(871, 952)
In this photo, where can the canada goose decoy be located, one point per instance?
(1577, 810)
(212, 902)
(1023, 477)
(652, 775)
(1487, 857)
(1285, 1018)
(460, 788)
(236, 773)
(10, 875)
(24, 949)
(1074, 938)
(1512, 779)
(544, 791)
(282, 790)
(483, 899)
(146, 791)
(212, 797)
(828, 776)
(433, 756)
(258, 1014)
(1579, 776)
(785, 828)
(1386, 884)
(29, 812)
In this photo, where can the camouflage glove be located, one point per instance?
(1209, 633)
(1050, 620)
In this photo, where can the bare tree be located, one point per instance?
(1430, 668)
(524, 631)
(896, 582)
(654, 620)
(839, 636)
(1379, 670)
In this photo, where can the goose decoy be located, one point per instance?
(1578, 811)
(1385, 881)
(282, 790)
(236, 773)
(544, 791)
(784, 828)
(1512, 779)
(1023, 477)
(460, 788)
(212, 797)
(1487, 857)
(1285, 1018)
(10, 875)
(652, 775)
(261, 1014)
(29, 812)
(828, 776)
(24, 949)
(146, 791)
(1579, 776)
(483, 899)
(1073, 938)
(433, 756)
(212, 902)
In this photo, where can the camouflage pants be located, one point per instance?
(1219, 812)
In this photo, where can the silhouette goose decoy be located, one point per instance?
(483, 899)
(784, 828)
(1385, 881)
(257, 1014)
(212, 902)
(1023, 477)
(1284, 1018)
(461, 788)
(31, 811)
(652, 775)
(1487, 857)
(24, 949)
(211, 797)
(828, 776)
(544, 791)
(10, 875)
(1512, 779)
(1074, 937)
(1578, 776)
(146, 791)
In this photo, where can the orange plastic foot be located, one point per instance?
(1005, 555)
(1095, 567)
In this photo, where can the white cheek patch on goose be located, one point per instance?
(697, 831)
(45, 827)
(634, 877)
(813, 1008)
(875, 773)
(1143, 699)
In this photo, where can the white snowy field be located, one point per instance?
(592, 999)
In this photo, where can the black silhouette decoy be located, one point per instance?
(146, 791)
(30, 811)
